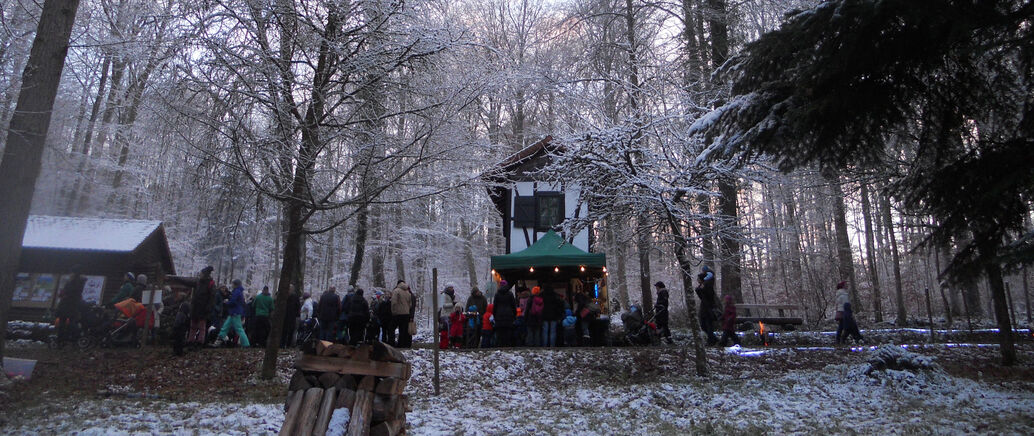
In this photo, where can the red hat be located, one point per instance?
(841, 285)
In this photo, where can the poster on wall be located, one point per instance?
(34, 290)
(93, 288)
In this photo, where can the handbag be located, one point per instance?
(412, 327)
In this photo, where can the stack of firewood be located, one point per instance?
(366, 381)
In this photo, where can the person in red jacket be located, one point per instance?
(729, 322)
(487, 323)
(456, 327)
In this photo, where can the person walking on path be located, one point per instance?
(201, 307)
(236, 308)
(402, 307)
(841, 299)
(263, 309)
(729, 322)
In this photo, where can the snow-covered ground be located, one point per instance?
(616, 391)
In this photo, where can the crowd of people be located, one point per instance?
(218, 316)
(519, 317)
(214, 315)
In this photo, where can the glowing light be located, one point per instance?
(493, 271)
(604, 269)
(556, 269)
(532, 269)
(583, 269)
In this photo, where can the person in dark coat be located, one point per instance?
(358, 316)
(552, 313)
(729, 322)
(201, 306)
(661, 309)
(382, 311)
(480, 303)
(69, 309)
(505, 312)
(708, 303)
(292, 312)
(533, 317)
(477, 299)
(582, 321)
(327, 312)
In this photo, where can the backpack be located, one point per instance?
(536, 306)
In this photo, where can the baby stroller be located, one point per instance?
(309, 331)
(639, 331)
(123, 325)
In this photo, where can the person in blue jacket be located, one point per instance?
(235, 306)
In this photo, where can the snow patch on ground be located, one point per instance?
(118, 417)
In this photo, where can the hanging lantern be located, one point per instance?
(556, 269)
(532, 269)
(582, 268)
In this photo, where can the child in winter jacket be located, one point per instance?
(568, 324)
(729, 322)
(456, 327)
(520, 328)
(487, 324)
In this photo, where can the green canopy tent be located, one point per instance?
(550, 251)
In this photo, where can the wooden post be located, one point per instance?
(1026, 295)
(1012, 310)
(929, 314)
(965, 306)
(434, 336)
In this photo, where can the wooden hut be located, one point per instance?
(105, 249)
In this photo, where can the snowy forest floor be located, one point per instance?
(801, 384)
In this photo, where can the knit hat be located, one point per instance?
(237, 282)
(502, 284)
(207, 269)
(841, 285)
(536, 290)
(130, 276)
(659, 284)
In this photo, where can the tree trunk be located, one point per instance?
(643, 247)
(844, 257)
(888, 223)
(26, 139)
(729, 233)
(1001, 309)
(377, 251)
(360, 244)
(468, 252)
(870, 251)
(73, 196)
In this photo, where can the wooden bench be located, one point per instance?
(774, 314)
